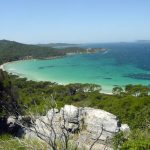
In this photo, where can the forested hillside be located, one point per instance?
(9, 97)
(10, 51)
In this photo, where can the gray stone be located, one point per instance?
(70, 113)
(11, 120)
(92, 124)
(124, 128)
(96, 119)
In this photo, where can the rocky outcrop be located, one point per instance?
(84, 125)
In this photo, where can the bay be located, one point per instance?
(119, 65)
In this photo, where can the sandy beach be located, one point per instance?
(2, 67)
(21, 75)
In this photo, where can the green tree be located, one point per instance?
(137, 90)
(117, 91)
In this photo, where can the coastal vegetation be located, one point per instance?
(12, 51)
(131, 104)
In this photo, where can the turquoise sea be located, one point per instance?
(120, 64)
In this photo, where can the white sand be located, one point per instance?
(2, 67)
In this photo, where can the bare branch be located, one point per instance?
(96, 139)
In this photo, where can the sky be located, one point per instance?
(74, 21)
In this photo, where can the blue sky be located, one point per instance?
(74, 21)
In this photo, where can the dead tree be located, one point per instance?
(46, 130)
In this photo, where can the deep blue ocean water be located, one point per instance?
(127, 53)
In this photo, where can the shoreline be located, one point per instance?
(15, 61)
(2, 67)
(49, 58)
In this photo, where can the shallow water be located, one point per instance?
(121, 64)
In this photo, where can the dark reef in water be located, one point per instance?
(108, 78)
(115, 85)
(140, 76)
(45, 67)
(74, 65)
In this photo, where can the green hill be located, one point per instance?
(10, 51)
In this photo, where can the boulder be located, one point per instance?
(97, 120)
(92, 124)
(124, 128)
(52, 112)
(70, 113)
(11, 120)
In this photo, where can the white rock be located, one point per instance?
(124, 128)
(11, 120)
(52, 112)
(98, 118)
(70, 113)
(88, 120)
